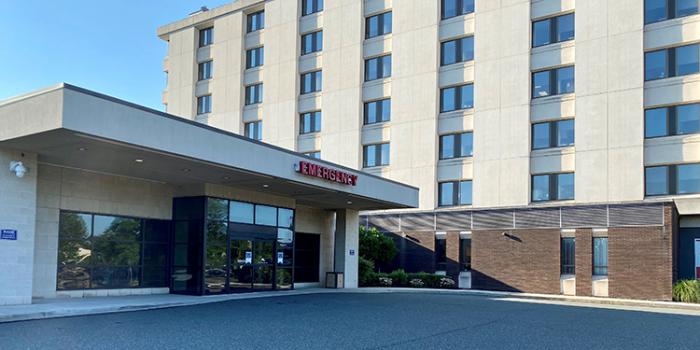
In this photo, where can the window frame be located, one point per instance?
(459, 4)
(672, 180)
(553, 82)
(259, 57)
(598, 268)
(206, 101)
(204, 39)
(671, 121)
(379, 161)
(382, 71)
(378, 110)
(457, 148)
(459, 50)
(456, 193)
(554, 127)
(671, 59)
(316, 44)
(315, 87)
(457, 99)
(553, 29)
(567, 260)
(316, 6)
(671, 9)
(463, 264)
(203, 68)
(315, 119)
(259, 18)
(254, 91)
(381, 19)
(257, 130)
(553, 188)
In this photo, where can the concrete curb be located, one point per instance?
(60, 309)
(550, 297)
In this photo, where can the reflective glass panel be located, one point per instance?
(656, 181)
(465, 193)
(467, 96)
(540, 135)
(540, 188)
(541, 84)
(565, 186)
(686, 7)
(265, 215)
(688, 119)
(75, 226)
(541, 33)
(466, 145)
(654, 10)
(655, 65)
(447, 98)
(565, 80)
(687, 60)
(565, 133)
(656, 122)
(688, 178)
(565, 27)
(449, 52)
(241, 212)
(447, 193)
(285, 217)
(447, 146)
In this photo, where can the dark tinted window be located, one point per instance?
(568, 256)
(672, 62)
(440, 253)
(311, 6)
(453, 8)
(206, 36)
(311, 82)
(553, 30)
(253, 94)
(457, 97)
(458, 50)
(378, 68)
(600, 256)
(255, 57)
(256, 21)
(310, 122)
(378, 111)
(378, 25)
(312, 42)
(376, 155)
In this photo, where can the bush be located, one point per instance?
(366, 274)
(446, 282)
(433, 281)
(687, 291)
(416, 283)
(376, 246)
(384, 281)
(399, 277)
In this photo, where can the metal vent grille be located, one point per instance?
(418, 222)
(592, 216)
(637, 215)
(492, 219)
(454, 221)
(385, 223)
(538, 218)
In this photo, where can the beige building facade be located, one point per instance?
(577, 119)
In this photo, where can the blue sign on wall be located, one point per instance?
(8, 234)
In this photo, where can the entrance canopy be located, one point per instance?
(72, 127)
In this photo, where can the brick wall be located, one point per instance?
(640, 261)
(584, 262)
(453, 255)
(525, 260)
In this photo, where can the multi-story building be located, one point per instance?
(556, 143)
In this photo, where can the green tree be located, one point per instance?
(375, 246)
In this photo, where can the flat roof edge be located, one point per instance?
(192, 20)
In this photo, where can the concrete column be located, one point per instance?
(347, 245)
(17, 212)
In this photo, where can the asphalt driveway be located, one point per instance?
(361, 321)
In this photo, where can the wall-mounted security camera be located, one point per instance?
(18, 168)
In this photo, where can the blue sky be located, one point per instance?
(107, 46)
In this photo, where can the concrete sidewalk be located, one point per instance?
(65, 307)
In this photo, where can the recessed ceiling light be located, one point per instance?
(82, 149)
(227, 178)
(186, 170)
(266, 185)
(138, 160)
(349, 202)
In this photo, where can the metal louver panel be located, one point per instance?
(418, 222)
(493, 219)
(538, 218)
(385, 223)
(591, 216)
(454, 221)
(637, 215)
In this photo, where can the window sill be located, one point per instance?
(311, 55)
(683, 79)
(567, 277)
(457, 161)
(310, 95)
(373, 169)
(672, 140)
(554, 151)
(549, 203)
(669, 197)
(460, 18)
(553, 47)
(457, 66)
(552, 99)
(310, 135)
(671, 22)
(376, 82)
(254, 69)
(376, 126)
(457, 114)
(376, 39)
(447, 208)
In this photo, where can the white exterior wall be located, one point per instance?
(17, 212)
(608, 105)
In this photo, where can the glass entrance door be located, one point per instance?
(252, 267)
(263, 266)
(241, 265)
